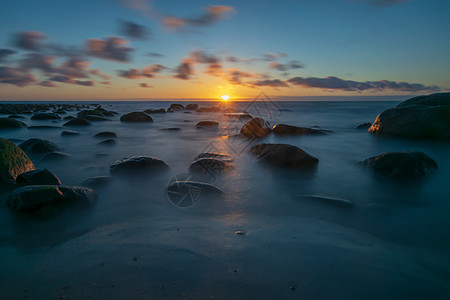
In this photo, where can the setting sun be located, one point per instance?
(225, 97)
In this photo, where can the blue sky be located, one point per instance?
(205, 49)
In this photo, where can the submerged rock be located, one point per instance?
(364, 125)
(209, 166)
(337, 202)
(185, 187)
(402, 165)
(283, 129)
(207, 124)
(13, 161)
(38, 146)
(138, 165)
(96, 118)
(108, 142)
(172, 129)
(418, 117)
(256, 128)
(176, 107)
(222, 156)
(38, 177)
(136, 117)
(44, 127)
(90, 112)
(191, 106)
(69, 133)
(106, 134)
(46, 116)
(155, 111)
(8, 123)
(78, 122)
(55, 156)
(97, 182)
(283, 155)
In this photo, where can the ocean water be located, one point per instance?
(135, 242)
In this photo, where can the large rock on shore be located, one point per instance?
(418, 117)
(401, 165)
(283, 129)
(33, 198)
(208, 166)
(13, 161)
(283, 155)
(256, 128)
(38, 177)
(138, 165)
(176, 107)
(192, 106)
(136, 117)
(8, 123)
(38, 146)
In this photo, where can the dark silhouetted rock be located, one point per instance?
(43, 127)
(337, 202)
(283, 155)
(138, 165)
(106, 134)
(364, 125)
(176, 107)
(283, 129)
(256, 128)
(90, 112)
(55, 156)
(182, 188)
(69, 133)
(16, 117)
(13, 161)
(69, 118)
(418, 117)
(222, 156)
(78, 122)
(96, 118)
(172, 129)
(108, 142)
(97, 182)
(38, 177)
(45, 116)
(136, 117)
(209, 166)
(8, 123)
(207, 124)
(38, 146)
(155, 111)
(401, 165)
(192, 106)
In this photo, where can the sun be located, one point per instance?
(225, 97)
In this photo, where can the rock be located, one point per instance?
(176, 107)
(192, 106)
(90, 112)
(8, 123)
(38, 146)
(45, 116)
(344, 203)
(418, 117)
(283, 129)
(240, 116)
(209, 166)
(13, 161)
(78, 122)
(106, 134)
(207, 124)
(172, 129)
(69, 118)
(55, 156)
(33, 198)
(16, 117)
(97, 182)
(283, 155)
(96, 118)
(38, 177)
(402, 165)
(44, 127)
(69, 133)
(209, 109)
(187, 187)
(138, 165)
(108, 142)
(136, 117)
(155, 111)
(256, 128)
(222, 156)
(364, 125)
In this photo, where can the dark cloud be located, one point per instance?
(4, 53)
(133, 30)
(185, 70)
(62, 50)
(293, 64)
(84, 83)
(75, 67)
(144, 85)
(148, 72)
(17, 77)
(153, 54)
(61, 78)
(236, 76)
(29, 40)
(335, 83)
(211, 14)
(111, 48)
(47, 83)
(275, 83)
(99, 73)
(39, 62)
(105, 82)
(273, 56)
(214, 66)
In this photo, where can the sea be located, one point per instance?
(262, 240)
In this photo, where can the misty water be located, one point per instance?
(134, 242)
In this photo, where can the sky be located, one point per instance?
(167, 49)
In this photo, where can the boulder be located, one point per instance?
(69, 133)
(138, 165)
(172, 129)
(97, 182)
(90, 112)
(283, 129)
(401, 165)
(187, 187)
(155, 111)
(222, 156)
(108, 142)
(69, 118)
(55, 156)
(13, 161)
(78, 122)
(337, 202)
(44, 127)
(209, 166)
(38, 146)
(16, 117)
(96, 118)
(38, 177)
(207, 124)
(176, 107)
(8, 123)
(283, 155)
(418, 117)
(45, 116)
(192, 106)
(32, 198)
(136, 117)
(106, 134)
(364, 125)
(256, 128)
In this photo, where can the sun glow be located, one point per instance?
(225, 97)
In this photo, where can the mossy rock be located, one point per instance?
(13, 161)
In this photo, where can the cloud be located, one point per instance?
(111, 48)
(99, 73)
(62, 50)
(273, 56)
(105, 82)
(133, 30)
(68, 79)
(17, 77)
(335, 83)
(146, 72)
(236, 76)
(47, 83)
(4, 53)
(29, 40)
(214, 66)
(75, 67)
(293, 64)
(153, 54)
(84, 83)
(184, 71)
(145, 85)
(275, 83)
(39, 62)
(211, 15)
